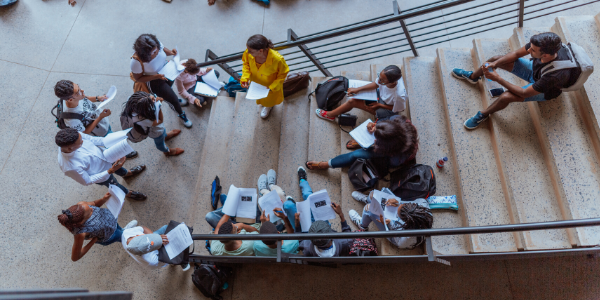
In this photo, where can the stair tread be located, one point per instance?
(522, 155)
(483, 196)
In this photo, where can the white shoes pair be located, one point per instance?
(264, 113)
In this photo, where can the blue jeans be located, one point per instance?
(215, 216)
(306, 191)
(115, 237)
(523, 68)
(112, 180)
(346, 160)
(369, 217)
(160, 142)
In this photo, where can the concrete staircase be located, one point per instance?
(532, 162)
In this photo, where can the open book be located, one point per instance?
(362, 95)
(210, 87)
(173, 68)
(241, 203)
(117, 151)
(320, 206)
(362, 136)
(179, 240)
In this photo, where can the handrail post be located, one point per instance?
(212, 56)
(292, 37)
(405, 29)
(279, 243)
(429, 249)
(521, 12)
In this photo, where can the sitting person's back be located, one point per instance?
(235, 247)
(269, 247)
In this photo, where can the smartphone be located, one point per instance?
(496, 92)
(489, 69)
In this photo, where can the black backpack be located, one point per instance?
(363, 175)
(330, 92)
(413, 182)
(210, 279)
(61, 116)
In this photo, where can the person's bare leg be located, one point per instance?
(501, 103)
(478, 72)
(345, 107)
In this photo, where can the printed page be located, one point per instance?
(112, 138)
(303, 208)
(269, 202)
(363, 95)
(247, 203)
(117, 151)
(112, 92)
(179, 240)
(257, 91)
(231, 204)
(376, 207)
(170, 70)
(320, 205)
(178, 61)
(205, 89)
(362, 136)
(211, 79)
(116, 200)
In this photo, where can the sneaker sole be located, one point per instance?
(324, 118)
(462, 78)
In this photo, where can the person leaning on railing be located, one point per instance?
(264, 66)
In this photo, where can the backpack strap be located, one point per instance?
(561, 64)
(136, 57)
(71, 115)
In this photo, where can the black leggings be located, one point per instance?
(162, 88)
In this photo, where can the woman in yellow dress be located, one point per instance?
(264, 66)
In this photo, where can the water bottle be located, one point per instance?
(440, 163)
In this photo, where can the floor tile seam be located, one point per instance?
(24, 65)
(67, 37)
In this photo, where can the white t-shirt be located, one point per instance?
(86, 108)
(152, 67)
(396, 96)
(325, 253)
(149, 259)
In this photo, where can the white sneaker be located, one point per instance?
(360, 197)
(186, 268)
(130, 224)
(271, 177)
(264, 113)
(356, 219)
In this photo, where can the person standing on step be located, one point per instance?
(87, 221)
(266, 67)
(80, 158)
(391, 96)
(149, 58)
(186, 82)
(141, 109)
(75, 101)
(544, 49)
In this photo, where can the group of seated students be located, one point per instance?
(396, 143)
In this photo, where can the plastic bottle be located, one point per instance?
(440, 163)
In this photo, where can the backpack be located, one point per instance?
(137, 134)
(413, 182)
(61, 116)
(363, 175)
(363, 247)
(579, 59)
(330, 92)
(138, 85)
(234, 86)
(211, 280)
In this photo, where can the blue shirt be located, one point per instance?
(288, 246)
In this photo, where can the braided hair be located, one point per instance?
(71, 217)
(416, 217)
(141, 104)
(64, 89)
(191, 66)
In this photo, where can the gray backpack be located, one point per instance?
(137, 134)
(579, 59)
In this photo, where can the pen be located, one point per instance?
(278, 211)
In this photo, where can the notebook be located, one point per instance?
(210, 87)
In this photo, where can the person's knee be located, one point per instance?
(289, 205)
(508, 97)
(353, 102)
(210, 218)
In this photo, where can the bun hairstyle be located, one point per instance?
(144, 45)
(71, 217)
(259, 42)
(191, 66)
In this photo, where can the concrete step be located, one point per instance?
(529, 184)
(435, 140)
(565, 126)
(213, 161)
(323, 145)
(483, 194)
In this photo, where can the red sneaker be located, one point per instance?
(323, 115)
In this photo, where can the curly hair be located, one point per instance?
(549, 42)
(259, 42)
(71, 217)
(191, 66)
(226, 228)
(141, 104)
(267, 228)
(393, 73)
(64, 89)
(144, 45)
(395, 137)
(415, 216)
(66, 137)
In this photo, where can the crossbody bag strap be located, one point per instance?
(72, 115)
(136, 57)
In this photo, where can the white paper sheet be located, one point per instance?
(320, 205)
(377, 205)
(112, 138)
(211, 79)
(363, 95)
(240, 202)
(303, 207)
(116, 200)
(390, 212)
(157, 106)
(362, 136)
(117, 151)
(205, 90)
(112, 92)
(179, 240)
(257, 91)
(269, 202)
(177, 60)
(170, 70)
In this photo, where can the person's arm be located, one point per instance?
(515, 89)
(368, 87)
(100, 201)
(96, 140)
(245, 70)
(204, 71)
(170, 52)
(105, 113)
(508, 58)
(246, 227)
(224, 219)
(282, 72)
(338, 210)
(383, 105)
(181, 89)
(297, 219)
(78, 250)
(286, 222)
(145, 78)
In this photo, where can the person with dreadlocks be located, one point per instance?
(87, 221)
(411, 215)
(141, 110)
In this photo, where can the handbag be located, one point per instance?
(138, 85)
(295, 82)
(363, 175)
(347, 120)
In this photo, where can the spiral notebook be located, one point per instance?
(210, 87)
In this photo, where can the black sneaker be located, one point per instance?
(137, 196)
(301, 173)
(133, 154)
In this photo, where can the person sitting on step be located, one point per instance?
(186, 82)
(269, 247)
(410, 215)
(233, 247)
(325, 247)
(391, 96)
(544, 49)
(396, 141)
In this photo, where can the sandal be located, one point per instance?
(135, 170)
(352, 145)
(311, 165)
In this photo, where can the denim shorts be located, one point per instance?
(523, 68)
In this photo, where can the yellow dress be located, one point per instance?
(271, 73)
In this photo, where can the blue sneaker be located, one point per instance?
(465, 75)
(474, 121)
